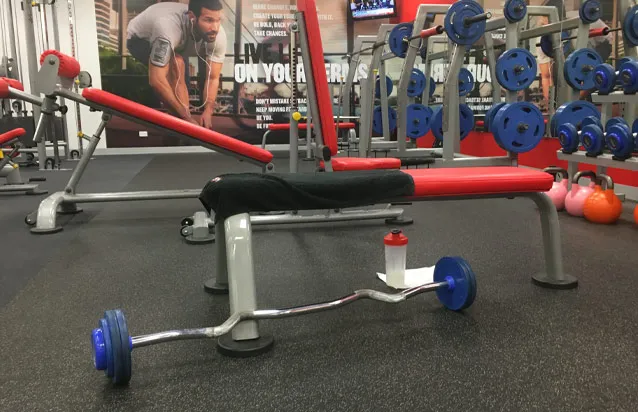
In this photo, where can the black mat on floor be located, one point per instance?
(27, 253)
(518, 348)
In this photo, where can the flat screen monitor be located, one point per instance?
(372, 9)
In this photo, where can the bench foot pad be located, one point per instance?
(246, 348)
(541, 279)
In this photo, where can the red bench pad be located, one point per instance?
(348, 164)
(318, 63)
(476, 181)
(10, 135)
(12, 83)
(304, 126)
(136, 110)
(69, 67)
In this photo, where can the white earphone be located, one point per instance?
(200, 57)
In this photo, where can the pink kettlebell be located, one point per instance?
(575, 200)
(559, 190)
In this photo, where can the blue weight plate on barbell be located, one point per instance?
(466, 82)
(547, 44)
(568, 137)
(419, 118)
(574, 113)
(377, 120)
(592, 139)
(630, 26)
(628, 76)
(489, 115)
(516, 69)
(102, 348)
(388, 84)
(454, 22)
(579, 68)
(605, 78)
(590, 11)
(461, 290)
(518, 127)
(466, 122)
(120, 345)
(515, 10)
(417, 83)
(620, 141)
(395, 41)
(591, 120)
(615, 120)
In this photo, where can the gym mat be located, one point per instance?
(518, 348)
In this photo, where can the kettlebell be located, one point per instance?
(636, 215)
(603, 206)
(576, 197)
(559, 190)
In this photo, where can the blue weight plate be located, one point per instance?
(466, 119)
(547, 44)
(461, 290)
(568, 137)
(454, 22)
(105, 361)
(116, 346)
(515, 10)
(579, 68)
(615, 120)
(516, 69)
(620, 141)
(418, 120)
(634, 126)
(377, 120)
(98, 346)
(127, 346)
(591, 120)
(417, 83)
(605, 78)
(489, 116)
(395, 41)
(574, 113)
(466, 122)
(592, 139)
(590, 11)
(432, 87)
(388, 84)
(628, 76)
(518, 127)
(466, 82)
(630, 26)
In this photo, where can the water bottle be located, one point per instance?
(396, 245)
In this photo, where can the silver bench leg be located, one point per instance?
(200, 233)
(554, 276)
(219, 284)
(245, 339)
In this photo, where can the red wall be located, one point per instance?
(406, 9)
(482, 144)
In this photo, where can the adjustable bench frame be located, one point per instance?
(235, 268)
(11, 171)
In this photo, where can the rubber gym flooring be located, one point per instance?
(518, 348)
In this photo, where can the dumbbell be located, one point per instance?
(607, 78)
(628, 76)
(618, 138)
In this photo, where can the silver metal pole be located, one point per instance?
(56, 44)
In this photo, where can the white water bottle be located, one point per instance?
(396, 246)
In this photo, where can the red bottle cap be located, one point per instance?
(395, 238)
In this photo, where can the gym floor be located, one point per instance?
(518, 348)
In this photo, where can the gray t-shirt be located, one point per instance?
(168, 29)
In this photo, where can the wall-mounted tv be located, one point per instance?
(372, 9)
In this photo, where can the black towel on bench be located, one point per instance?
(236, 193)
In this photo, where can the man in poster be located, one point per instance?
(165, 35)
